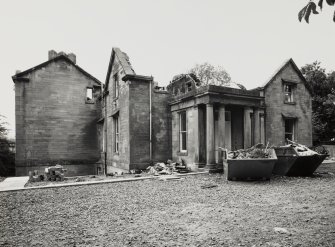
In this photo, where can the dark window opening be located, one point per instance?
(189, 86)
(289, 129)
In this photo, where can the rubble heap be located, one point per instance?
(55, 173)
(52, 173)
(167, 168)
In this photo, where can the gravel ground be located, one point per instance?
(175, 213)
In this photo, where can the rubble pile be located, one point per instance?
(302, 150)
(35, 177)
(256, 152)
(55, 173)
(167, 168)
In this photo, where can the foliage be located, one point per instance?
(3, 129)
(7, 160)
(210, 75)
(311, 8)
(323, 100)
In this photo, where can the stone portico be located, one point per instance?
(216, 117)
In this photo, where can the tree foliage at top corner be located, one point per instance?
(311, 8)
(322, 85)
(207, 74)
(3, 128)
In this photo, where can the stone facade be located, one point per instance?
(132, 122)
(143, 114)
(54, 121)
(277, 110)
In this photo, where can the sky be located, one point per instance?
(163, 38)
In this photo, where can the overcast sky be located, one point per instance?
(250, 39)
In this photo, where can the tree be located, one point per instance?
(207, 74)
(7, 160)
(323, 100)
(311, 7)
(3, 129)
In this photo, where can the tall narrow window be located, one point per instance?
(183, 131)
(289, 129)
(116, 86)
(116, 133)
(288, 93)
(89, 94)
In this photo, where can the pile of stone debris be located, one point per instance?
(301, 150)
(168, 168)
(258, 151)
(52, 173)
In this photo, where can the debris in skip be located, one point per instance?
(302, 150)
(256, 152)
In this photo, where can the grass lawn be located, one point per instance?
(175, 213)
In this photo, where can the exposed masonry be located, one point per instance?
(64, 115)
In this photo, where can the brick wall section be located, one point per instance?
(275, 107)
(53, 122)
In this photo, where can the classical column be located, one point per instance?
(195, 126)
(221, 130)
(257, 126)
(262, 126)
(247, 127)
(210, 152)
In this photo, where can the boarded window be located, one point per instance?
(289, 129)
(288, 93)
(116, 124)
(183, 131)
(89, 94)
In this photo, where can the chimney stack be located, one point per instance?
(72, 57)
(52, 54)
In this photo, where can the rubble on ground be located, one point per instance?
(168, 168)
(52, 173)
(55, 173)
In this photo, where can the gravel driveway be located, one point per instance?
(174, 213)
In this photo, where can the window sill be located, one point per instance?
(182, 153)
(290, 103)
(89, 102)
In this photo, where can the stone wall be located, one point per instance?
(54, 121)
(118, 106)
(161, 126)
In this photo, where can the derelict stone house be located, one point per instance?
(136, 122)
(288, 106)
(133, 122)
(56, 116)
